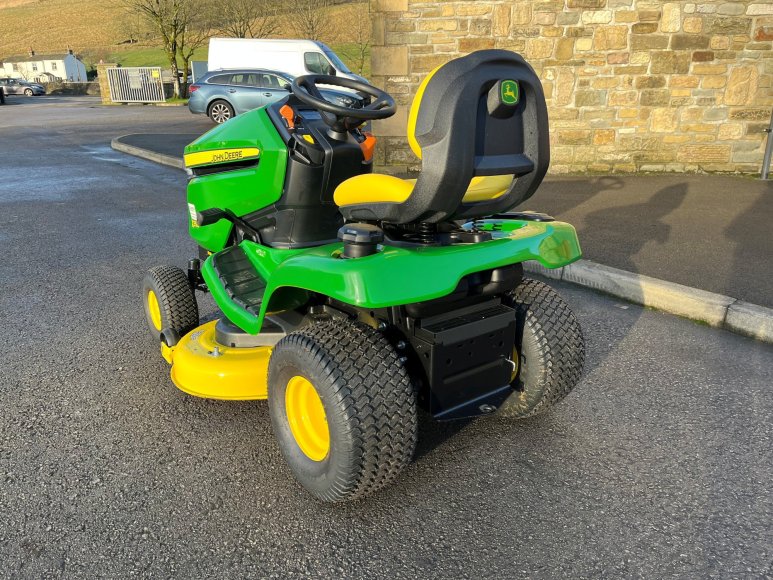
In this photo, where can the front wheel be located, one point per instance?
(549, 347)
(28, 92)
(170, 304)
(220, 111)
(343, 409)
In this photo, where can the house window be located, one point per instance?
(34, 66)
(15, 67)
(53, 66)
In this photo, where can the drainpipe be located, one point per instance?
(768, 151)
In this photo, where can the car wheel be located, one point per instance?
(28, 92)
(220, 111)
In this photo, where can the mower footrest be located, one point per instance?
(239, 278)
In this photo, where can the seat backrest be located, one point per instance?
(480, 115)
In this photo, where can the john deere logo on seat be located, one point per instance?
(509, 92)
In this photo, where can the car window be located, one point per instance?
(269, 81)
(316, 63)
(244, 79)
(220, 80)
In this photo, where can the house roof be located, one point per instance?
(35, 58)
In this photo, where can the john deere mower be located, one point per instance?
(351, 299)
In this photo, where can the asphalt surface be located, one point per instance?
(706, 231)
(658, 465)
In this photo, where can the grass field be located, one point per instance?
(95, 30)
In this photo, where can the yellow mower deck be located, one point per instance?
(204, 368)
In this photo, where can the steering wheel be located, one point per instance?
(341, 118)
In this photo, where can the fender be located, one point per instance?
(394, 276)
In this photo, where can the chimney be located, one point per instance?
(32, 52)
(69, 50)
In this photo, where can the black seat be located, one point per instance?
(480, 126)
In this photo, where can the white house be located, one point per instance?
(45, 67)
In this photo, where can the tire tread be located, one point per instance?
(175, 298)
(560, 355)
(376, 395)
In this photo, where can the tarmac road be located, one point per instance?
(659, 464)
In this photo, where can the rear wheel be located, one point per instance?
(343, 409)
(170, 304)
(220, 111)
(28, 92)
(549, 349)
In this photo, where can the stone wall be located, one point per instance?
(61, 88)
(104, 84)
(631, 85)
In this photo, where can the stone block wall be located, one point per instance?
(104, 84)
(631, 85)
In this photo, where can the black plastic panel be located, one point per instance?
(239, 278)
(306, 215)
(464, 354)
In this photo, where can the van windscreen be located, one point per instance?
(337, 62)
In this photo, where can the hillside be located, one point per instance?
(96, 30)
(53, 25)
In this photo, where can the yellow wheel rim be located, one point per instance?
(155, 310)
(307, 419)
(516, 362)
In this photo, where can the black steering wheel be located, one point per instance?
(341, 118)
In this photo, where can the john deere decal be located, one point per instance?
(509, 92)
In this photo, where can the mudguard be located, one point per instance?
(394, 276)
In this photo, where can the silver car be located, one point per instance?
(11, 86)
(222, 94)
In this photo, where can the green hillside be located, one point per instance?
(96, 30)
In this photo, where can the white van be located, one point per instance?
(296, 57)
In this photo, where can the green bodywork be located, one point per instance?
(242, 190)
(395, 275)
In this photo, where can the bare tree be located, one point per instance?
(179, 24)
(245, 18)
(193, 37)
(310, 18)
(132, 25)
(356, 38)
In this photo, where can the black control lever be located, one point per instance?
(210, 216)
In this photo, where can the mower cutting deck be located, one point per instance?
(349, 298)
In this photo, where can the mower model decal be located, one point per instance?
(220, 156)
(192, 213)
(509, 92)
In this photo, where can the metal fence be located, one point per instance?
(136, 85)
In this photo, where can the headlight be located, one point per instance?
(345, 101)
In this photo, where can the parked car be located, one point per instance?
(222, 94)
(11, 86)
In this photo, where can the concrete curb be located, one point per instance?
(715, 310)
(168, 160)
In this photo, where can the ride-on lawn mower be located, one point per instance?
(349, 298)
